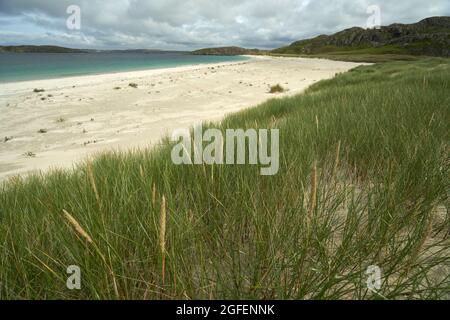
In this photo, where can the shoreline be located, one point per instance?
(25, 84)
(77, 117)
(240, 58)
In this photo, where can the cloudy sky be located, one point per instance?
(191, 24)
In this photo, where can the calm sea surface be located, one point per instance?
(32, 66)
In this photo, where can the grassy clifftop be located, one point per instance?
(430, 37)
(363, 180)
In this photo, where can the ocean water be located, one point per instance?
(33, 66)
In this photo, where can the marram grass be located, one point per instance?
(363, 181)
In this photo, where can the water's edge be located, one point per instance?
(41, 66)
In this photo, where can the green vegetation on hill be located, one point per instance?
(227, 51)
(363, 180)
(357, 57)
(38, 49)
(429, 37)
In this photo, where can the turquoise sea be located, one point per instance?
(33, 66)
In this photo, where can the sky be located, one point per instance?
(194, 24)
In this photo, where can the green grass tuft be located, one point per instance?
(276, 89)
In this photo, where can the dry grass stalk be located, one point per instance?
(86, 236)
(154, 194)
(77, 226)
(162, 237)
(141, 171)
(14, 180)
(92, 181)
(116, 290)
(313, 195)
(336, 160)
(418, 249)
(273, 121)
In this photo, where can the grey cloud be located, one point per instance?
(189, 24)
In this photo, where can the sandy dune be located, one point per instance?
(82, 115)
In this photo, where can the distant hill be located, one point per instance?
(227, 51)
(145, 51)
(56, 49)
(38, 49)
(430, 37)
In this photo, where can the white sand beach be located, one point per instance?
(78, 116)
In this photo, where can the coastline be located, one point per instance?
(15, 86)
(76, 117)
(21, 67)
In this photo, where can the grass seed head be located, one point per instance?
(77, 227)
